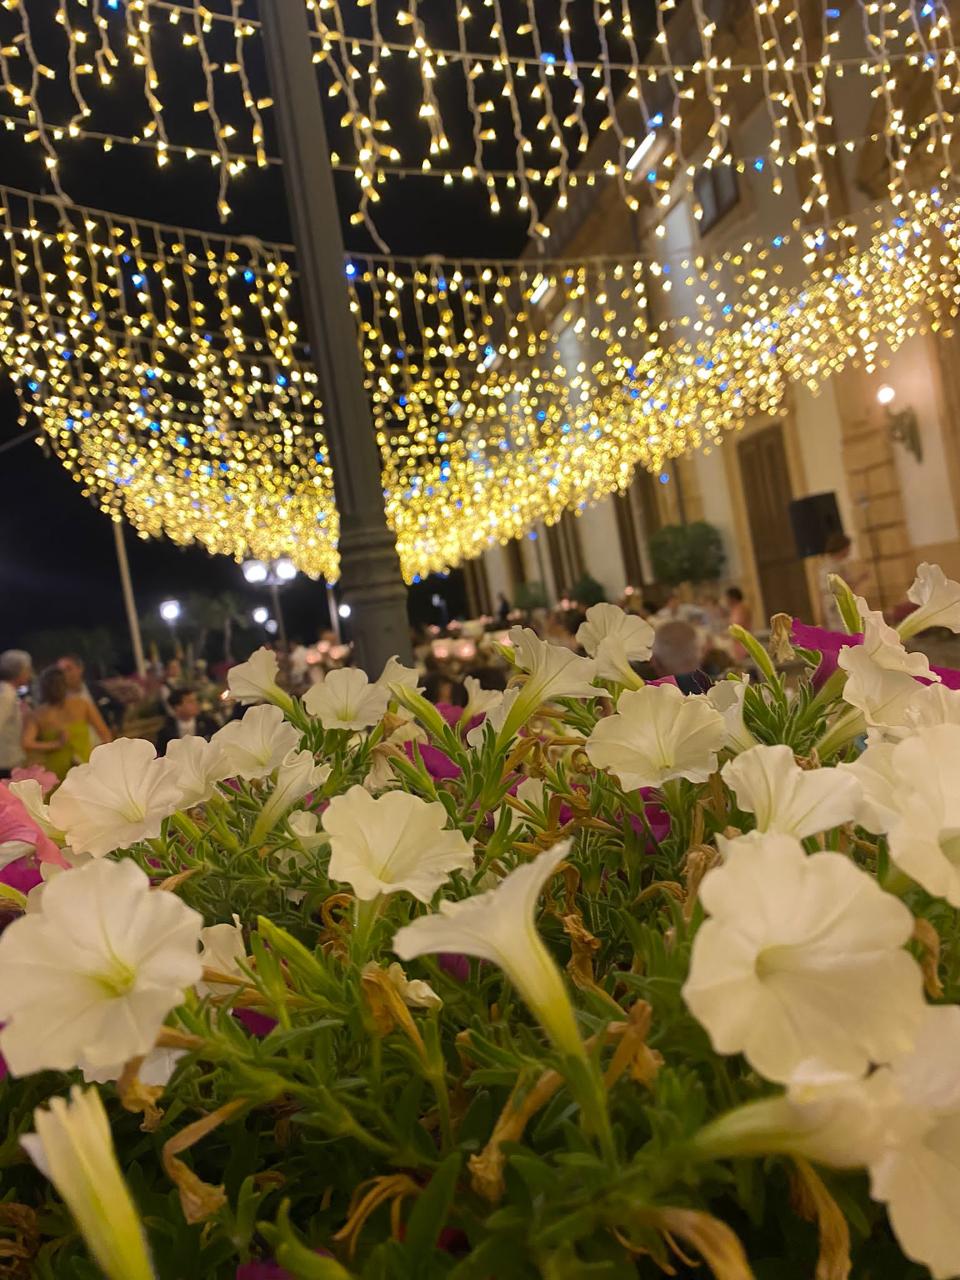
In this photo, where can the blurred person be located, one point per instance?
(16, 670)
(108, 709)
(503, 607)
(57, 733)
(186, 720)
(836, 559)
(677, 653)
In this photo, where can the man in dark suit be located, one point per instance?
(185, 720)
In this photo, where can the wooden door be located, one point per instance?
(767, 494)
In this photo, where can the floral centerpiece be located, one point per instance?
(586, 979)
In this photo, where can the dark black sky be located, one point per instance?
(57, 560)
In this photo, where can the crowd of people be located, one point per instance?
(53, 719)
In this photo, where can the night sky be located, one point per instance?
(57, 558)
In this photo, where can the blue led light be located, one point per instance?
(249, 276)
(350, 270)
(549, 58)
(139, 280)
(758, 164)
(663, 478)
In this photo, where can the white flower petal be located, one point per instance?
(256, 679)
(391, 843)
(769, 783)
(499, 926)
(255, 745)
(117, 799)
(937, 598)
(90, 977)
(802, 958)
(345, 699)
(658, 734)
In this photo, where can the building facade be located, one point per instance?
(899, 499)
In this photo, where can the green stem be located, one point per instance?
(364, 918)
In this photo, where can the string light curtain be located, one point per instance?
(434, 90)
(163, 367)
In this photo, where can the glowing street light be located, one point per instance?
(255, 571)
(344, 610)
(261, 615)
(886, 394)
(170, 611)
(273, 574)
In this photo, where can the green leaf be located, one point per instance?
(430, 1212)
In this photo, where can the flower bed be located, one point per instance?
(590, 979)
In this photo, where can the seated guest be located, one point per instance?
(185, 720)
(676, 652)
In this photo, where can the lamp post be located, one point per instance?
(370, 571)
(274, 575)
(170, 611)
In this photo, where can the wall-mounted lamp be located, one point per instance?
(902, 425)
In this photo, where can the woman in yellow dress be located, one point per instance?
(57, 733)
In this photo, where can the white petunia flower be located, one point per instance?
(827, 1117)
(769, 783)
(553, 671)
(395, 674)
(500, 926)
(256, 680)
(73, 1147)
(479, 700)
(885, 646)
(306, 828)
(345, 699)
(395, 842)
(616, 639)
(658, 734)
(92, 975)
(802, 959)
(297, 776)
(497, 715)
(937, 598)
(221, 948)
(200, 765)
(916, 1176)
(727, 696)
(30, 794)
(257, 744)
(885, 696)
(117, 799)
(913, 796)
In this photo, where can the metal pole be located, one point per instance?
(334, 614)
(370, 572)
(133, 622)
(278, 612)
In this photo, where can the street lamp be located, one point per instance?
(273, 574)
(170, 611)
(261, 615)
(344, 610)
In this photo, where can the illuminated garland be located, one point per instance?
(552, 90)
(165, 369)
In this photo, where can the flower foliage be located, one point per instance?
(591, 978)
